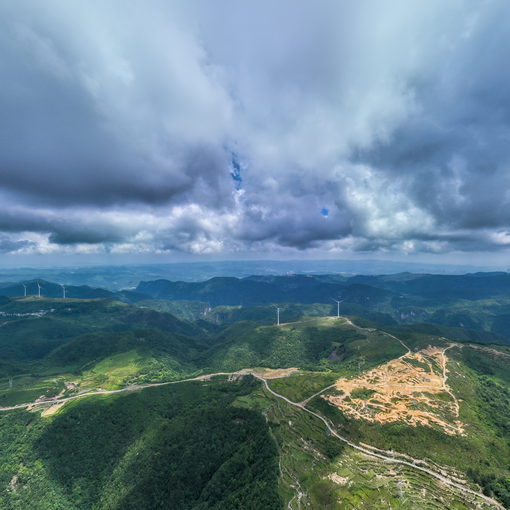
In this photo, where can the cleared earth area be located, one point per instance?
(412, 389)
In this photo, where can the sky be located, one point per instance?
(169, 130)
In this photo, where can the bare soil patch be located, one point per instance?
(412, 389)
(339, 480)
(52, 409)
(14, 483)
(276, 373)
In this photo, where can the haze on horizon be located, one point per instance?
(163, 130)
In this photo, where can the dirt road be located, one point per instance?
(386, 456)
(111, 392)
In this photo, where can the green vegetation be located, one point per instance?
(28, 389)
(184, 310)
(306, 453)
(496, 404)
(98, 343)
(302, 386)
(183, 446)
(323, 473)
(113, 372)
(492, 485)
(367, 482)
(228, 443)
(362, 393)
(485, 408)
(493, 362)
(302, 345)
(311, 343)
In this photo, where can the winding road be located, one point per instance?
(384, 455)
(111, 392)
(387, 456)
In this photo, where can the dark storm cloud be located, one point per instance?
(62, 228)
(68, 135)
(7, 245)
(208, 127)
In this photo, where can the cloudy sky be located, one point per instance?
(224, 128)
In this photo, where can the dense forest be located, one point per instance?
(180, 447)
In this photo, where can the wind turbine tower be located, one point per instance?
(24, 290)
(38, 289)
(337, 307)
(63, 291)
(277, 316)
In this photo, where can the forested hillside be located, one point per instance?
(183, 447)
(478, 302)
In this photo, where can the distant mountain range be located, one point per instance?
(115, 278)
(477, 301)
(324, 288)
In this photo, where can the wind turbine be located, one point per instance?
(277, 316)
(63, 290)
(24, 290)
(38, 289)
(337, 307)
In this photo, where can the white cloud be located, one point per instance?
(124, 121)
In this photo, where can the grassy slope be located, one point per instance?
(96, 342)
(310, 458)
(305, 344)
(478, 376)
(485, 407)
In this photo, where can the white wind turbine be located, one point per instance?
(38, 289)
(24, 290)
(337, 306)
(277, 316)
(63, 290)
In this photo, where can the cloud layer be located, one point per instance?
(216, 127)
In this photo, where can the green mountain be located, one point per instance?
(479, 301)
(97, 409)
(48, 338)
(474, 302)
(182, 447)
